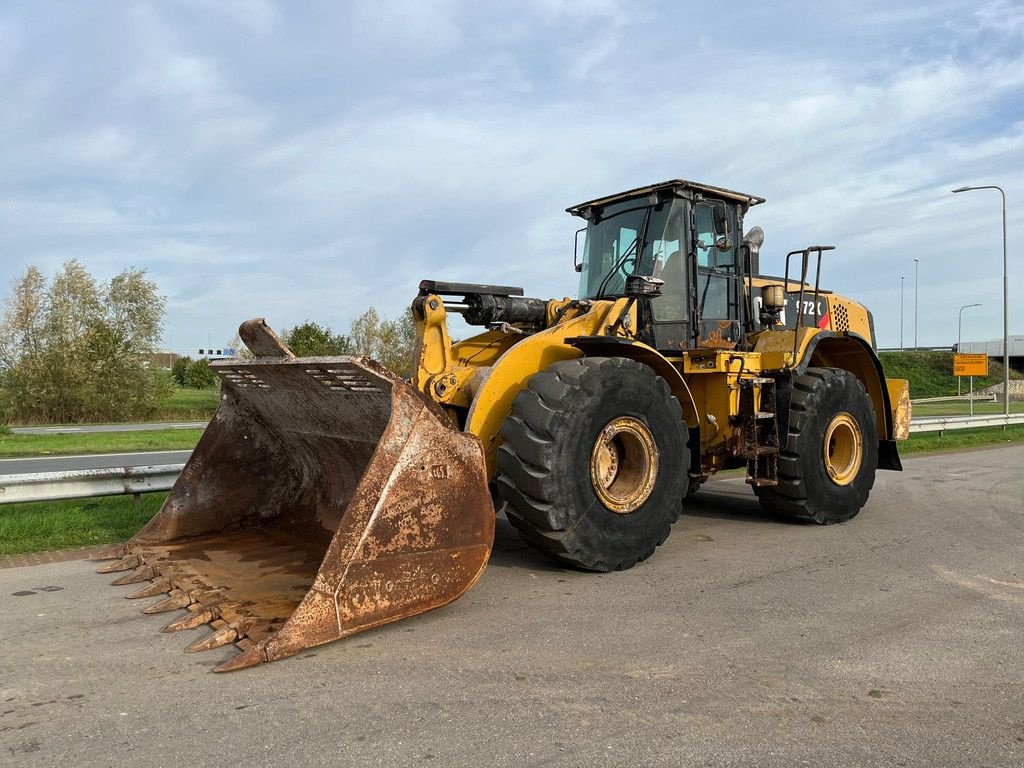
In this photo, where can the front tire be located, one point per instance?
(594, 462)
(827, 467)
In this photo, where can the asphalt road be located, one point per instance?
(85, 428)
(92, 461)
(893, 640)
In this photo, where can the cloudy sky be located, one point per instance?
(308, 160)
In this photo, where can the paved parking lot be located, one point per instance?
(893, 640)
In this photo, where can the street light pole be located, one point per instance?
(1006, 300)
(901, 313)
(916, 264)
(959, 328)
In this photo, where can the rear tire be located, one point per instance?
(825, 482)
(593, 464)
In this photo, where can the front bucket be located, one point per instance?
(326, 497)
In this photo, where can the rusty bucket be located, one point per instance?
(326, 497)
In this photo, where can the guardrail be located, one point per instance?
(943, 348)
(82, 483)
(956, 398)
(942, 423)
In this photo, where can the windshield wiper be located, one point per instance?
(616, 267)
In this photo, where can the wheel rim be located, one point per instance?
(844, 448)
(624, 464)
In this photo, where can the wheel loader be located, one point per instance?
(329, 496)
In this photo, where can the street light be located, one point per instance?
(1006, 300)
(959, 327)
(901, 313)
(916, 263)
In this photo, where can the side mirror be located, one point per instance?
(720, 214)
(576, 263)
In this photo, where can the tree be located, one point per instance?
(389, 342)
(200, 375)
(179, 370)
(365, 333)
(397, 340)
(72, 350)
(312, 340)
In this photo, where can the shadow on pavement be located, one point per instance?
(734, 504)
(728, 504)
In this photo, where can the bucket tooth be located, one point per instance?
(173, 602)
(247, 658)
(124, 564)
(158, 587)
(115, 552)
(192, 620)
(142, 573)
(216, 639)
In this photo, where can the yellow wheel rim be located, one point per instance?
(624, 464)
(844, 448)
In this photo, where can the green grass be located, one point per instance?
(13, 445)
(46, 526)
(960, 439)
(931, 373)
(188, 405)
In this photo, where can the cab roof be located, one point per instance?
(675, 185)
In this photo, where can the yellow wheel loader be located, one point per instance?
(328, 496)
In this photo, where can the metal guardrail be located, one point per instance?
(116, 481)
(942, 423)
(82, 483)
(955, 398)
(943, 348)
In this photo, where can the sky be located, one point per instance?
(307, 161)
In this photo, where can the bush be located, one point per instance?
(179, 370)
(312, 340)
(200, 375)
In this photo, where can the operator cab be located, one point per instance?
(683, 233)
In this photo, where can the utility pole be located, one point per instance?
(916, 264)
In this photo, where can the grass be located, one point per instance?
(14, 445)
(961, 439)
(46, 526)
(188, 405)
(930, 373)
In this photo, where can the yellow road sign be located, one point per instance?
(970, 365)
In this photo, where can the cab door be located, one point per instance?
(664, 257)
(716, 277)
